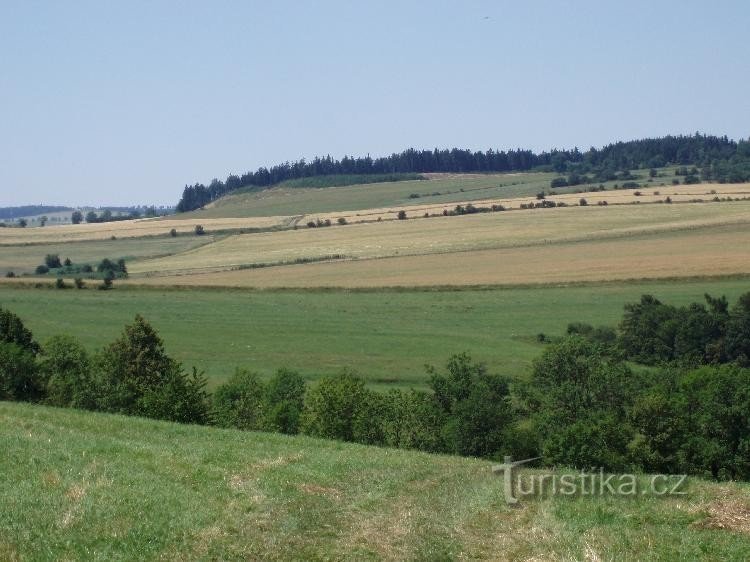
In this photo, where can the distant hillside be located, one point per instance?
(719, 159)
(30, 210)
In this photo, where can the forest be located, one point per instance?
(718, 159)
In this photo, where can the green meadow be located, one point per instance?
(386, 336)
(88, 486)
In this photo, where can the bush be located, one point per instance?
(106, 284)
(341, 221)
(10, 275)
(284, 398)
(335, 407)
(401, 215)
(558, 182)
(79, 283)
(135, 376)
(13, 331)
(60, 283)
(65, 366)
(173, 232)
(582, 202)
(52, 261)
(239, 401)
(476, 406)
(67, 262)
(19, 376)
(580, 404)
(42, 269)
(199, 230)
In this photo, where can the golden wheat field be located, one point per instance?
(440, 235)
(697, 252)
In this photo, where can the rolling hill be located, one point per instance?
(81, 485)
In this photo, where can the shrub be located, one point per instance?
(580, 398)
(341, 221)
(106, 284)
(540, 195)
(60, 283)
(10, 274)
(199, 230)
(582, 202)
(42, 269)
(173, 232)
(558, 182)
(284, 398)
(401, 215)
(239, 401)
(67, 262)
(135, 376)
(13, 331)
(19, 376)
(311, 224)
(79, 283)
(335, 407)
(476, 406)
(52, 261)
(66, 368)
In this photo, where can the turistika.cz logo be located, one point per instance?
(593, 482)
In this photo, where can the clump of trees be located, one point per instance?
(583, 406)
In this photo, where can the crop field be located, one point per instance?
(700, 252)
(388, 336)
(96, 486)
(441, 235)
(128, 229)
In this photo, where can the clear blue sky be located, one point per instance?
(108, 102)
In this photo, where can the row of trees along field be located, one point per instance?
(719, 158)
(583, 406)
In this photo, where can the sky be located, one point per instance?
(120, 103)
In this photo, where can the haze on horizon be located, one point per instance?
(125, 103)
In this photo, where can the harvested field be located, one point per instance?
(699, 252)
(439, 235)
(130, 229)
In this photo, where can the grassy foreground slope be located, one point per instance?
(91, 486)
(387, 336)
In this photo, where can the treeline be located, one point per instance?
(29, 210)
(719, 158)
(583, 406)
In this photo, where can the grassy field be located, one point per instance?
(299, 201)
(387, 336)
(24, 258)
(440, 189)
(440, 235)
(99, 487)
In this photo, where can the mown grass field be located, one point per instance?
(80, 485)
(387, 336)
